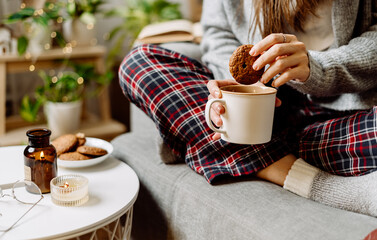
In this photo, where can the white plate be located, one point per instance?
(94, 142)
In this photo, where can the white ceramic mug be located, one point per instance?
(249, 113)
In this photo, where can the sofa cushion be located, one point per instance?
(176, 203)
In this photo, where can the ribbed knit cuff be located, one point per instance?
(300, 178)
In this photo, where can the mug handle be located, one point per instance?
(208, 116)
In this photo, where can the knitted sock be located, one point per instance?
(357, 194)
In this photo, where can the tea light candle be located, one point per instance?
(69, 190)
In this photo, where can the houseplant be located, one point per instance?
(36, 28)
(62, 95)
(80, 25)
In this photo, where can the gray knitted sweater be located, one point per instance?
(344, 77)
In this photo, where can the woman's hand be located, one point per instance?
(217, 109)
(286, 56)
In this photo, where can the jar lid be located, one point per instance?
(38, 133)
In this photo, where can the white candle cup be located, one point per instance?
(69, 190)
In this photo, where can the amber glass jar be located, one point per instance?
(40, 160)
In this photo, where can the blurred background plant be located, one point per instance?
(65, 86)
(85, 10)
(135, 15)
(36, 23)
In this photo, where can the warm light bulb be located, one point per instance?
(80, 80)
(53, 35)
(31, 68)
(27, 55)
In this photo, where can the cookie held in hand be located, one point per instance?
(241, 65)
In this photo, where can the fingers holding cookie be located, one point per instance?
(288, 59)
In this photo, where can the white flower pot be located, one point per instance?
(78, 32)
(63, 118)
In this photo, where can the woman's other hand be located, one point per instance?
(217, 109)
(286, 56)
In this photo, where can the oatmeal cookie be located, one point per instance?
(92, 151)
(71, 156)
(65, 143)
(241, 65)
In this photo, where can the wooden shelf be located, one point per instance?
(13, 130)
(106, 130)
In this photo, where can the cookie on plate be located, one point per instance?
(73, 156)
(92, 151)
(64, 143)
(241, 65)
(81, 139)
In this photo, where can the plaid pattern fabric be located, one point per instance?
(344, 146)
(171, 89)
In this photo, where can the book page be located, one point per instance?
(155, 29)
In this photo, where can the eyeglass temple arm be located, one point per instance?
(6, 230)
(6, 185)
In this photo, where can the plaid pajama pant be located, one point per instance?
(171, 89)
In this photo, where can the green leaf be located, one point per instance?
(22, 44)
(29, 109)
(21, 15)
(60, 39)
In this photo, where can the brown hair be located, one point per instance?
(275, 15)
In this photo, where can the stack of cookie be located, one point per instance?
(72, 147)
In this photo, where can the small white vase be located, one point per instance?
(78, 32)
(63, 118)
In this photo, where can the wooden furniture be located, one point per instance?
(113, 190)
(12, 131)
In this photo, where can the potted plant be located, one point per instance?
(35, 24)
(80, 26)
(62, 95)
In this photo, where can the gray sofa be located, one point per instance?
(176, 203)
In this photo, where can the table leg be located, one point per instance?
(3, 75)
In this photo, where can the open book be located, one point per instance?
(171, 31)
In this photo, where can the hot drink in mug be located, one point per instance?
(249, 113)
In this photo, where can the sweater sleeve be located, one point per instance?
(218, 41)
(351, 68)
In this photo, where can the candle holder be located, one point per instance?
(69, 190)
(40, 160)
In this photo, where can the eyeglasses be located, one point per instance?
(25, 192)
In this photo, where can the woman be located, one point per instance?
(321, 56)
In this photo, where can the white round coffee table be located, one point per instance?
(113, 189)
